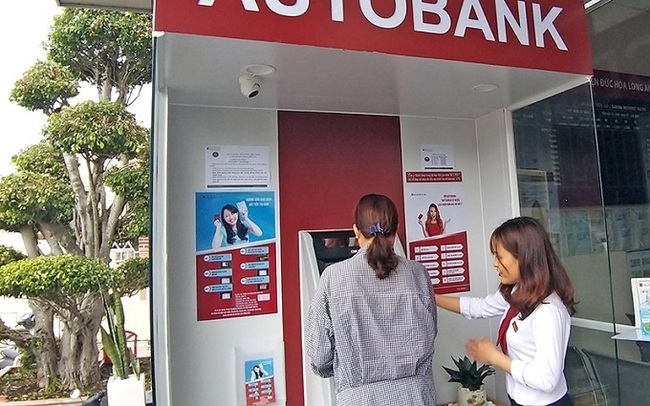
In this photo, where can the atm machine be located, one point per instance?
(319, 249)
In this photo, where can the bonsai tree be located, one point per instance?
(67, 285)
(468, 373)
(84, 187)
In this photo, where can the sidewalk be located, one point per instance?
(44, 402)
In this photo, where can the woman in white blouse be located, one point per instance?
(535, 300)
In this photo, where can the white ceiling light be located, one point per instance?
(259, 69)
(485, 87)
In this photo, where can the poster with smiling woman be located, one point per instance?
(226, 219)
(235, 254)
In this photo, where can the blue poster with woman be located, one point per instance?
(230, 219)
(260, 383)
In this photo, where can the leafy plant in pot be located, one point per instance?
(471, 377)
(126, 385)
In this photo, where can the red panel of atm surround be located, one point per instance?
(327, 162)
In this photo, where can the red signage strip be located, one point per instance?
(544, 34)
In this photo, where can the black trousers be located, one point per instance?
(564, 401)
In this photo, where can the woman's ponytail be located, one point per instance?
(376, 216)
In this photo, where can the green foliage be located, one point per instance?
(132, 182)
(468, 374)
(12, 380)
(41, 158)
(135, 222)
(55, 386)
(28, 355)
(112, 51)
(96, 130)
(134, 276)
(54, 278)
(29, 198)
(20, 385)
(104, 46)
(46, 86)
(8, 255)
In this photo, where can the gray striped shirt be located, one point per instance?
(375, 336)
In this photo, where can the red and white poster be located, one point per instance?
(235, 254)
(436, 228)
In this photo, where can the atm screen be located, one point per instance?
(333, 246)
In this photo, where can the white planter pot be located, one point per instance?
(467, 397)
(125, 392)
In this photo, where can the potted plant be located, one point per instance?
(471, 377)
(126, 385)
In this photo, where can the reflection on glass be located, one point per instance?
(584, 169)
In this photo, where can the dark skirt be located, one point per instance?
(564, 401)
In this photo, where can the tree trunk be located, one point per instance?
(93, 310)
(79, 364)
(67, 364)
(62, 235)
(83, 209)
(46, 352)
(29, 239)
(52, 241)
(88, 357)
(107, 88)
(19, 338)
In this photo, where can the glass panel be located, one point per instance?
(558, 180)
(559, 184)
(588, 179)
(620, 37)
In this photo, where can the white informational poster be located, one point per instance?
(236, 166)
(641, 298)
(436, 156)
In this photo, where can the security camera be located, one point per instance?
(250, 85)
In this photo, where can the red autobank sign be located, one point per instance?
(542, 34)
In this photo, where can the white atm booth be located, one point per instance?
(319, 249)
(347, 94)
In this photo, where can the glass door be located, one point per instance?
(583, 163)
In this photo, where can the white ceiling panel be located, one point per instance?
(200, 70)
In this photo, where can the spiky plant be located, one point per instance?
(468, 374)
(114, 340)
